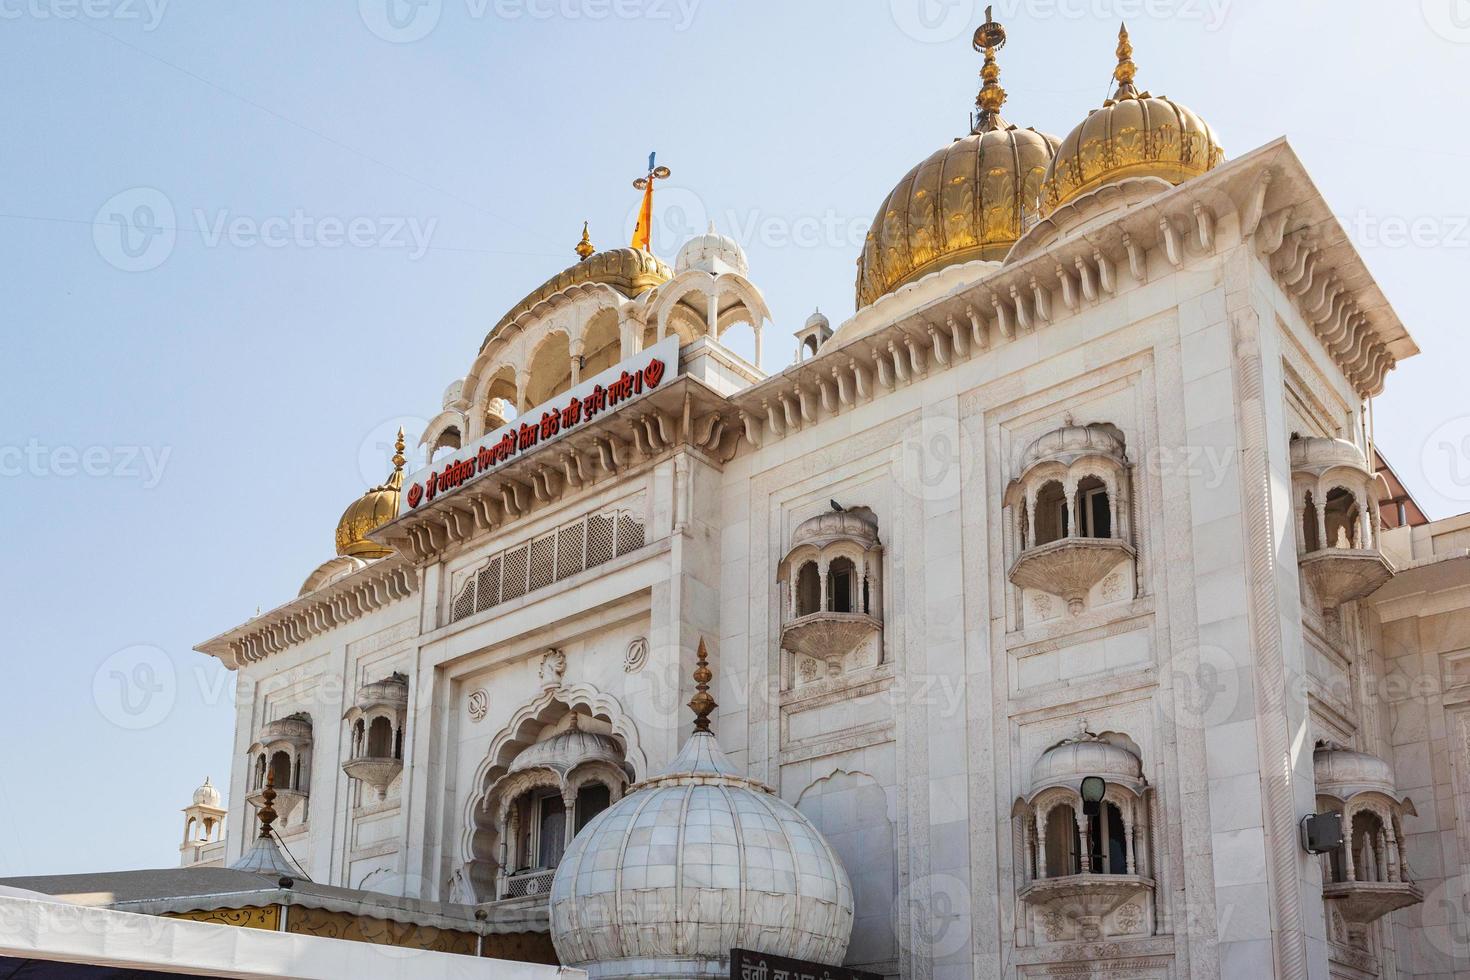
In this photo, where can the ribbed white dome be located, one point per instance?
(1342, 773)
(206, 795)
(713, 253)
(1070, 762)
(1071, 442)
(691, 863)
(569, 749)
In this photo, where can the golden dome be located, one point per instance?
(1134, 134)
(631, 271)
(371, 511)
(969, 200)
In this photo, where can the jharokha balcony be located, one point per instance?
(1337, 528)
(1368, 876)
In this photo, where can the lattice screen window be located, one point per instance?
(543, 562)
(630, 534)
(488, 587)
(599, 538)
(464, 603)
(513, 582)
(570, 549)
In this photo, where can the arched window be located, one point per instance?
(808, 590)
(260, 771)
(1094, 519)
(380, 739)
(601, 344)
(841, 586)
(1052, 519)
(1063, 842)
(1341, 514)
(551, 369)
(1369, 845)
(592, 799)
(1311, 540)
(1106, 839)
(281, 771)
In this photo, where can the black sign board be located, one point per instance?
(748, 965)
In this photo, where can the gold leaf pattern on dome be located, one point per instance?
(631, 271)
(1134, 134)
(968, 201)
(371, 511)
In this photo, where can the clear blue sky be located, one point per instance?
(179, 440)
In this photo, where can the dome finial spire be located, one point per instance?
(585, 248)
(702, 703)
(990, 37)
(1126, 70)
(395, 479)
(267, 812)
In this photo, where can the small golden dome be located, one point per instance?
(371, 511)
(969, 200)
(631, 271)
(1134, 134)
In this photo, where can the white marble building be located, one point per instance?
(1085, 488)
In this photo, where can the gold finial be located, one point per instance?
(702, 703)
(395, 479)
(267, 812)
(990, 37)
(1126, 70)
(585, 248)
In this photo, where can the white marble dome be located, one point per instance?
(830, 526)
(565, 751)
(691, 863)
(1072, 761)
(1342, 773)
(1072, 442)
(713, 253)
(206, 795)
(1316, 454)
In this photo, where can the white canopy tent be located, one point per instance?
(37, 927)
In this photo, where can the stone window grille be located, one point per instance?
(572, 548)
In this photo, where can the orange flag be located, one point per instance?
(643, 232)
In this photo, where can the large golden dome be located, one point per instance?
(1134, 134)
(969, 200)
(371, 511)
